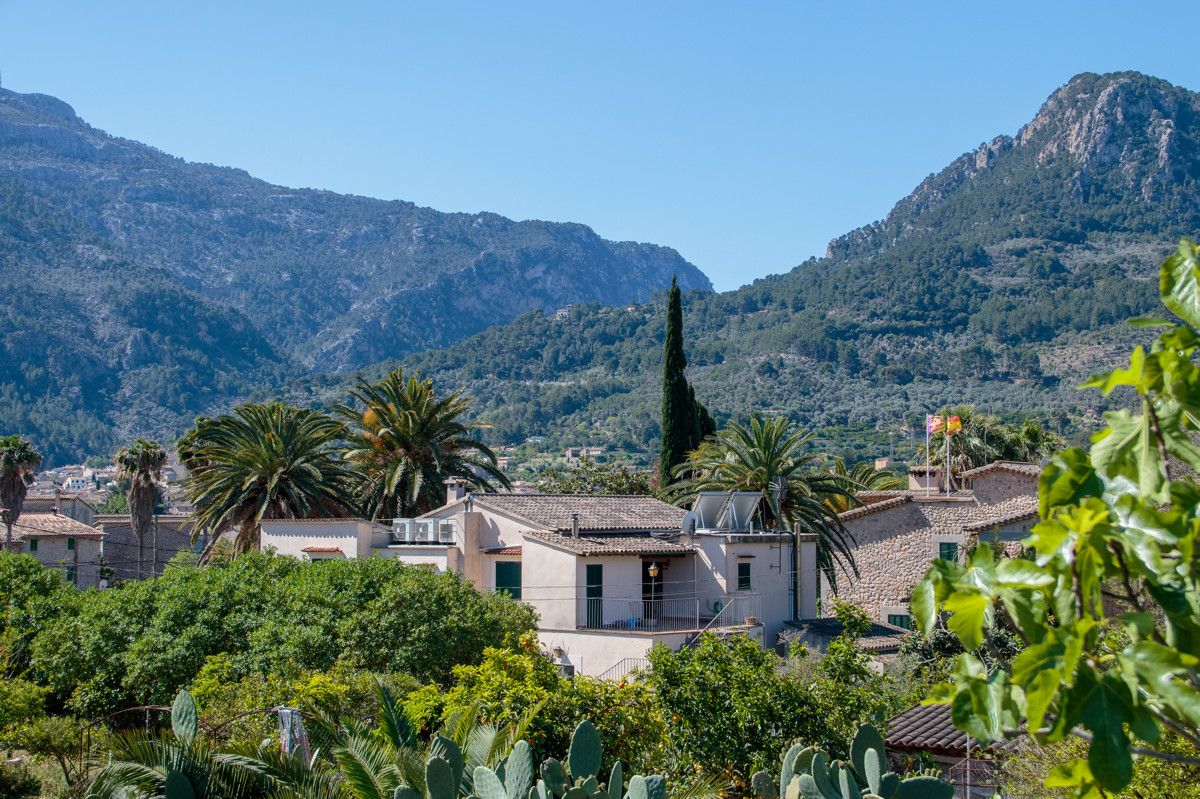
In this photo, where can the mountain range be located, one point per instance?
(160, 289)
(148, 289)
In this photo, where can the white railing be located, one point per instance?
(624, 667)
(638, 615)
(736, 610)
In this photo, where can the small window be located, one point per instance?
(70, 544)
(70, 574)
(508, 578)
(900, 620)
(743, 576)
(33, 545)
(948, 550)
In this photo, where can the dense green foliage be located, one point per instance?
(590, 477)
(18, 464)
(984, 438)
(733, 708)
(267, 615)
(1108, 609)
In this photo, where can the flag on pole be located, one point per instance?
(953, 424)
(934, 424)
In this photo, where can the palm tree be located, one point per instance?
(768, 457)
(18, 464)
(862, 476)
(259, 462)
(406, 442)
(141, 463)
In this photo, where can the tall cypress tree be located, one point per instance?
(678, 410)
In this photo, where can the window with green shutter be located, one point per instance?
(70, 544)
(70, 574)
(743, 576)
(508, 578)
(33, 545)
(900, 620)
(948, 550)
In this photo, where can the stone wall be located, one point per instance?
(999, 485)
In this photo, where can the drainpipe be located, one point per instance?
(575, 524)
(795, 571)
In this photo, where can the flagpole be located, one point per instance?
(927, 467)
(947, 456)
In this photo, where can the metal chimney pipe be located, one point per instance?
(575, 524)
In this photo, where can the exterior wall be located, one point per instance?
(71, 507)
(770, 575)
(923, 481)
(549, 584)
(999, 485)
(810, 578)
(52, 553)
(594, 652)
(121, 545)
(441, 558)
(290, 537)
(622, 588)
(481, 529)
(894, 548)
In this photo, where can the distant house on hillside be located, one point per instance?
(575, 453)
(610, 576)
(898, 533)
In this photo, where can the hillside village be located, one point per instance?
(858, 537)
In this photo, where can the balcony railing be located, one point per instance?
(666, 615)
(639, 615)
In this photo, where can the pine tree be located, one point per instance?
(678, 409)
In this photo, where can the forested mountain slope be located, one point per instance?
(1000, 280)
(140, 288)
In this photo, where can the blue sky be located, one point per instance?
(744, 135)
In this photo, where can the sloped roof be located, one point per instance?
(501, 551)
(871, 497)
(955, 512)
(881, 639)
(596, 511)
(928, 728)
(925, 470)
(608, 544)
(1018, 467)
(51, 525)
(313, 550)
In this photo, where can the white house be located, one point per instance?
(609, 576)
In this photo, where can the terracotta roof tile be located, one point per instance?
(928, 728)
(1019, 467)
(502, 551)
(924, 470)
(608, 544)
(882, 638)
(871, 497)
(875, 507)
(50, 525)
(323, 550)
(596, 512)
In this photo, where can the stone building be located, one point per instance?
(897, 533)
(173, 532)
(60, 542)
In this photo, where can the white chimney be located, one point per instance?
(456, 489)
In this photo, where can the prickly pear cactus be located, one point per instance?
(810, 774)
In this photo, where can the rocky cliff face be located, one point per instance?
(1122, 141)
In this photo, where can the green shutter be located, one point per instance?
(900, 620)
(33, 545)
(70, 574)
(948, 550)
(70, 544)
(743, 576)
(594, 578)
(508, 577)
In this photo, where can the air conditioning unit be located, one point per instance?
(446, 531)
(402, 531)
(426, 530)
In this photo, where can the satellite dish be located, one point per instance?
(103, 584)
(688, 526)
